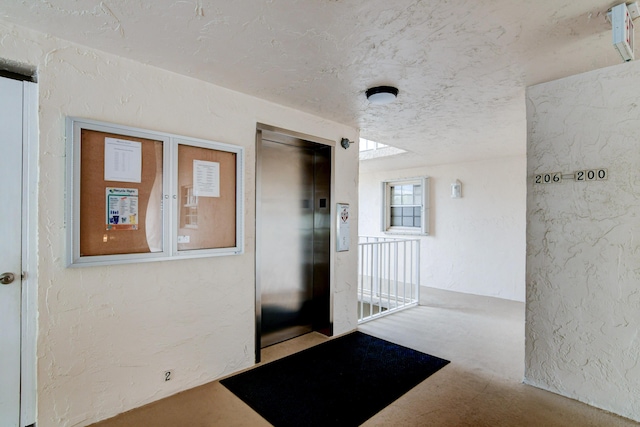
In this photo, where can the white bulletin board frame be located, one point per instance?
(166, 229)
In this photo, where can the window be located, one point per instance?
(367, 144)
(374, 150)
(406, 206)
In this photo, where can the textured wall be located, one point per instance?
(476, 244)
(583, 263)
(106, 334)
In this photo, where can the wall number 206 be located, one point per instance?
(548, 178)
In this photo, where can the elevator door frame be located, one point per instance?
(287, 137)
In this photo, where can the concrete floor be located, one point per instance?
(482, 386)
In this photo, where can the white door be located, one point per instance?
(11, 125)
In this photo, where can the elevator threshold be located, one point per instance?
(285, 334)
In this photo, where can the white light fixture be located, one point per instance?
(382, 94)
(622, 17)
(456, 190)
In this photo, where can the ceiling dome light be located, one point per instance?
(382, 94)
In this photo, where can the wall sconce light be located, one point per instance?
(456, 190)
(345, 143)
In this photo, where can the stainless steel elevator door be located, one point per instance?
(286, 243)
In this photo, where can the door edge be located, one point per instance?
(29, 308)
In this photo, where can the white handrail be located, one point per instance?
(388, 276)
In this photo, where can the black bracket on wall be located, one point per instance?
(345, 143)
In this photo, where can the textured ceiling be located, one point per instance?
(461, 66)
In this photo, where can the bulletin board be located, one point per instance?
(138, 195)
(207, 207)
(119, 217)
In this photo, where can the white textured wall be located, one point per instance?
(106, 334)
(583, 254)
(477, 243)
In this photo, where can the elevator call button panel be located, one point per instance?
(343, 240)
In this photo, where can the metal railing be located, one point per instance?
(388, 276)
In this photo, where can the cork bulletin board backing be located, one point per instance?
(206, 222)
(97, 236)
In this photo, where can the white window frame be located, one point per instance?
(386, 207)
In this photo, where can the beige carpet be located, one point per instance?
(482, 386)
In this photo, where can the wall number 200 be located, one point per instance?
(591, 175)
(548, 178)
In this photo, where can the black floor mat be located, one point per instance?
(342, 382)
